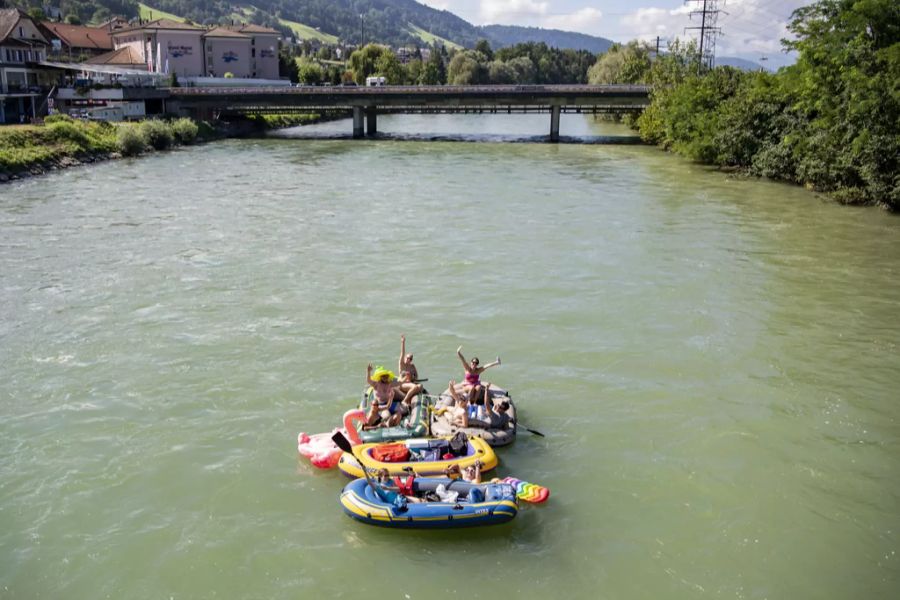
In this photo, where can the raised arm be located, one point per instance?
(488, 403)
(489, 365)
(369, 375)
(462, 359)
(402, 354)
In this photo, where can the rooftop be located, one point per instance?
(79, 36)
(124, 56)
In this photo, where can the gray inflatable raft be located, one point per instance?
(441, 426)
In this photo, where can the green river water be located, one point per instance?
(714, 362)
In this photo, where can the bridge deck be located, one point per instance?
(411, 96)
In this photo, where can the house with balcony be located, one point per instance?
(75, 43)
(22, 80)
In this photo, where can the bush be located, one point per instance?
(185, 130)
(130, 141)
(68, 131)
(157, 134)
(58, 118)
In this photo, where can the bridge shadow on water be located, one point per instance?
(463, 137)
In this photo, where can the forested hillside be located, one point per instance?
(502, 36)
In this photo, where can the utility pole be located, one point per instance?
(709, 14)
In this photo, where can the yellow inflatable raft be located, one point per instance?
(426, 457)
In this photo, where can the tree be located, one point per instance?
(484, 47)
(414, 69)
(467, 68)
(622, 64)
(372, 59)
(73, 19)
(501, 73)
(523, 69)
(287, 66)
(310, 72)
(389, 67)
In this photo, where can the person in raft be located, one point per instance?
(397, 486)
(497, 415)
(385, 411)
(472, 384)
(409, 375)
(471, 473)
(458, 412)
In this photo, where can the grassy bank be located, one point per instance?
(62, 142)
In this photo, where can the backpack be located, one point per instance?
(390, 453)
(459, 444)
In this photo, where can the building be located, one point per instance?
(75, 43)
(227, 51)
(167, 46)
(263, 50)
(22, 47)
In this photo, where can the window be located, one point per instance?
(8, 56)
(21, 32)
(253, 52)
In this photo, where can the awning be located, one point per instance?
(106, 69)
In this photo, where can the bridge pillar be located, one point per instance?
(371, 118)
(358, 122)
(554, 122)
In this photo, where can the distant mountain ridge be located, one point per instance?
(510, 35)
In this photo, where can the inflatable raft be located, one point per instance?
(476, 449)
(413, 425)
(490, 504)
(441, 425)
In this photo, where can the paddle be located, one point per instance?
(534, 431)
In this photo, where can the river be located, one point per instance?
(714, 362)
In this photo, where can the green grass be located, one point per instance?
(150, 13)
(430, 38)
(308, 33)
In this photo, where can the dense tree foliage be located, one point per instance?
(830, 122)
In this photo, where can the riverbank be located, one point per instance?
(62, 142)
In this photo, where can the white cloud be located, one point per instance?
(749, 29)
(511, 11)
(585, 20)
(438, 4)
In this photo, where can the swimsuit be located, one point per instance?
(472, 378)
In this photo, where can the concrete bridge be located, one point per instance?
(365, 103)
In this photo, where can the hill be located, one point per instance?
(739, 63)
(501, 36)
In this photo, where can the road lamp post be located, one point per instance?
(362, 31)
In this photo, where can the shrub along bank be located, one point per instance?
(63, 142)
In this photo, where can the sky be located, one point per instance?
(751, 29)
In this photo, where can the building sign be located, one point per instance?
(230, 57)
(266, 53)
(176, 51)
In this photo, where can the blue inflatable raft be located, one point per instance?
(475, 504)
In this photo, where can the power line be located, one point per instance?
(709, 14)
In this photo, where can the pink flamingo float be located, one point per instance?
(321, 450)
